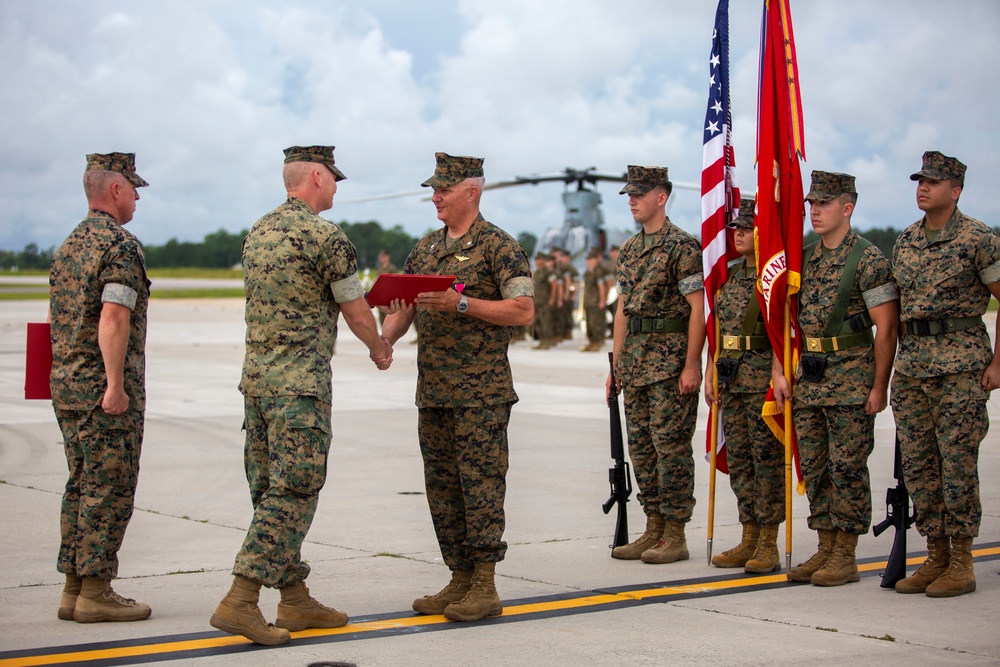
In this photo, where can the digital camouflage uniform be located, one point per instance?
(937, 398)
(570, 277)
(655, 274)
(297, 268)
(100, 262)
(593, 307)
(390, 268)
(835, 436)
(465, 391)
(756, 458)
(542, 280)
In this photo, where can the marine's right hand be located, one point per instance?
(781, 391)
(396, 306)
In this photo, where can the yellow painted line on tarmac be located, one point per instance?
(180, 646)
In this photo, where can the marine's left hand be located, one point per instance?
(444, 301)
(876, 401)
(690, 380)
(991, 376)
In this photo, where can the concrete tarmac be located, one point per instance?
(372, 547)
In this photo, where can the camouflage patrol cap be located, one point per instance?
(594, 253)
(745, 218)
(541, 255)
(123, 163)
(320, 154)
(827, 186)
(452, 170)
(940, 168)
(643, 179)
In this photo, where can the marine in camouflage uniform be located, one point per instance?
(946, 265)
(594, 296)
(98, 298)
(658, 337)
(756, 459)
(834, 413)
(385, 265)
(464, 386)
(300, 273)
(571, 282)
(542, 280)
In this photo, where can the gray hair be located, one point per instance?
(296, 173)
(97, 181)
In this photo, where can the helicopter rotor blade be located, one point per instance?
(391, 195)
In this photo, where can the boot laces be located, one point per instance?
(112, 596)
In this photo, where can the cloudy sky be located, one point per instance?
(207, 93)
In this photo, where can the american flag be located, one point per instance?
(720, 195)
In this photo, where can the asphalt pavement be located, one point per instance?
(372, 547)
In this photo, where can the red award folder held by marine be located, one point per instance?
(406, 286)
(38, 362)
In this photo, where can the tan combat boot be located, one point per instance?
(742, 552)
(98, 603)
(935, 565)
(671, 547)
(461, 581)
(959, 579)
(481, 601)
(633, 550)
(298, 610)
(804, 571)
(841, 568)
(70, 592)
(765, 556)
(238, 614)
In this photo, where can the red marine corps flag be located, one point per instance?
(780, 211)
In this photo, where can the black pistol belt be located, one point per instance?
(656, 325)
(938, 327)
(837, 343)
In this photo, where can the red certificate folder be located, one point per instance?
(405, 286)
(38, 362)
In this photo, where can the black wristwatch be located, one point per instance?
(463, 303)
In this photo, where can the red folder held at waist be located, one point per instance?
(38, 362)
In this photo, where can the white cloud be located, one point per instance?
(208, 93)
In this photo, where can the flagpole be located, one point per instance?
(714, 428)
(787, 412)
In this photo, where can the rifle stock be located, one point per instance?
(898, 515)
(618, 474)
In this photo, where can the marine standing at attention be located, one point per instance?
(97, 305)
(843, 376)
(300, 273)
(659, 332)
(464, 385)
(947, 265)
(756, 458)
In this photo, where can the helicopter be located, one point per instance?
(583, 225)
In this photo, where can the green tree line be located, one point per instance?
(221, 249)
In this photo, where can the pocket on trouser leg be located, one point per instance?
(304, 446)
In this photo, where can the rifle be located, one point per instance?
(897, 501)
(618, 475)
